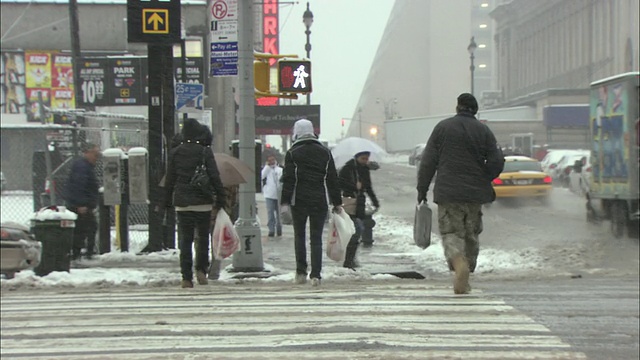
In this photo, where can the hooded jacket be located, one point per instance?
(309, 172)
(182, 164)
(350, 174)
(464, 153)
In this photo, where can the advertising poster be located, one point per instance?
(38, 69)
(62, 71)
(12, 83)
(62, 99)
(194, 70)
(33, 111)
(93, 83)
(125, 87)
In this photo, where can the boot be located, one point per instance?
(350, 256)
(186, 284)
(201, 277)
(214, 270)
(461, 281)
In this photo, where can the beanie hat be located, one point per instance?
(467, 102)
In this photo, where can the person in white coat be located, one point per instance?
(271, 174)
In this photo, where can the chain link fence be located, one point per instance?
(36, 160)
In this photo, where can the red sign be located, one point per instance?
(270, 39)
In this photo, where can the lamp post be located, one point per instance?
(472, 48)
(307, 19)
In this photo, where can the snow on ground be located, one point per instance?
(398, 234)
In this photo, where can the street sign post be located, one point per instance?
(224, 38)
(189, 97)
(153, 21)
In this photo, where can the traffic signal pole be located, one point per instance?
(249, 258)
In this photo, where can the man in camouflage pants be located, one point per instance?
(466, 157)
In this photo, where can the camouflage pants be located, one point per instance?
(460, 225)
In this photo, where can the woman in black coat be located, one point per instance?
(355, 182)
(193, 204)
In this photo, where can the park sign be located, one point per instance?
(154, 21)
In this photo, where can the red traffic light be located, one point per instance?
(342, 122)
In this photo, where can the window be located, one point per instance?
(515, 166)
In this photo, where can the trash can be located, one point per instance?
(53, 227)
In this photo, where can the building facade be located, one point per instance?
(562, 44)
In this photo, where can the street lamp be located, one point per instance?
(472, 48)
(307, 19)
(374, 132)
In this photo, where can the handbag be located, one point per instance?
(200, 179)
(349, 204)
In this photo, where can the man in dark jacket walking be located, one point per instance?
(466, 157)
(193, 204)
(309, 173)
(82, 198)
(355, 182)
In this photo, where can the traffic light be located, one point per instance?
(342, 122)
(261, 77)
(294, 76)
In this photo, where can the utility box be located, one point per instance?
(112, 176)
(138, 175)
(235, 149)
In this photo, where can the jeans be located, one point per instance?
(86, 229)
(352, 246)
(316, 225)
(273, 213)
(188, 223)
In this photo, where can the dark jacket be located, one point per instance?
(466, 157)
(182, 164)
(309, 173)
(82, 186)
(350, 173)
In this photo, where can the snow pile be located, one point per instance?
(56, 213)
(398, 234)
(95, 277)
(395, 159)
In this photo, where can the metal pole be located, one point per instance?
(183, 65)
(472, 68)
(307, 47)
(75, 44)
(249, 258)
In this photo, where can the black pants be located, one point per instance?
(352, 246)
(316, 225)
(188, 223)
(85, 231)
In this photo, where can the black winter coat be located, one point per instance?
(182, 164)
(464, 153)
(350, 173)
(82, 186)
(309, 173)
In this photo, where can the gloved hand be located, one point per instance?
(422, 197)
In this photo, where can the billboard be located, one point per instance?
(12, 83)
(279, 120)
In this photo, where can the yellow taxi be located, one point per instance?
(522, 177)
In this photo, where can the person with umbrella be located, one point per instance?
(355, 183)
(193, 203)
(309, 174)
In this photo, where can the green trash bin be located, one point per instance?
(53, 227)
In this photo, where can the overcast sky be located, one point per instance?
(344, 39)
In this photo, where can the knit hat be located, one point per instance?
(467, 102)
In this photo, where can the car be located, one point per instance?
(522, 177)
(580, 176)
(416, 153)
(551, 160)
(565, 165)
(19, 249)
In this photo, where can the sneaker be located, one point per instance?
(186, 284)
(300, 279)
(315, 282)
(201, 277)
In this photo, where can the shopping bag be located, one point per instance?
(285, 216)
(225, 240)
(341, 229)
(422, 225)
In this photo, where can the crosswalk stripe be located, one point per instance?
(274, 321)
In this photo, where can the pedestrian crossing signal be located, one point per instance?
(294, 76)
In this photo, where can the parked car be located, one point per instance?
(416, 153)
(580, 175)
(565, 165)
(19, 249)
(522, 177)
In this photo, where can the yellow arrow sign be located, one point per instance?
(155, 21)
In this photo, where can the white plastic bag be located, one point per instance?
(422, 225)
(341, 229)
(225, 240)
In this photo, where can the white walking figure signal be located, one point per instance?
(300, 74)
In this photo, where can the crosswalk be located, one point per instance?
(272, 320)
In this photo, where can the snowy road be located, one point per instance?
(384, 319)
